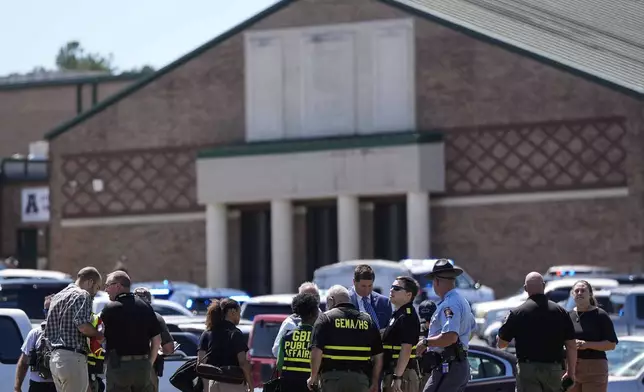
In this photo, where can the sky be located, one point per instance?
(136, 33)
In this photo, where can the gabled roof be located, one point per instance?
(600, 40)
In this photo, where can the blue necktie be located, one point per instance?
(369, 309)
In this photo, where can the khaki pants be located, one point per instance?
(410, 382)
(591, 375)
(154, 379)
(344, 381)
(216, 386)
(539, 377)
(69, 371)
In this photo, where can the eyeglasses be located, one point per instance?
(397, 288)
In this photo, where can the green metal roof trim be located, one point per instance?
(70, 81)
(405, 5)
(168, 68)
(321, 144)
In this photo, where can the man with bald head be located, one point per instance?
(132, 332)
(540, 329)
(343, 343)
(293, 321)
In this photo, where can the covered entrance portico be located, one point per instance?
(287, 173)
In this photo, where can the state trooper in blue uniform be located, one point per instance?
(449, 333)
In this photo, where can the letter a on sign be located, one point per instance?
(32, 206)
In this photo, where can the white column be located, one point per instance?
(282, 246)
(216, 245)
(348, 228)
(418, 225)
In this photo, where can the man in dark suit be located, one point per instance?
(364, 298)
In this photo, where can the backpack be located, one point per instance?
(43, 355)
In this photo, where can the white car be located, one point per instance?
(558, 290)
(342, 273)
(271, 304)
(626, 365)
(471, 290)
(163, 307)
(25, 273)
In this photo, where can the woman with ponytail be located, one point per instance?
(223, 344)
(595, 334)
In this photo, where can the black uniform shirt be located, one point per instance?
(403, 328)
(222, 344)
(130, 323)
(340, 333)
(539, 328)
(593, 326)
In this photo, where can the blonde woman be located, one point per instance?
(595, 334)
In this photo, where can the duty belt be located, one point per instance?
(395, 351)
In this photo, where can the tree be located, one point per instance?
(72, 56)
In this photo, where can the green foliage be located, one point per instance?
(72, 56)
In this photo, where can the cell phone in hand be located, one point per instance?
(566, 383)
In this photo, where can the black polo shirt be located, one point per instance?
(403, 328)
(130, 323)
(539, 328)
(222, 344)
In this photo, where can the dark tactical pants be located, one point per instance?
(129, 376)
(455, 380)
(409, 383)
(539, 377)
(344, 381)
(35, 386)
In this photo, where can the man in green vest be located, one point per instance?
(294, 356)
(95, 358)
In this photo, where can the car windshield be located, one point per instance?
(630, 369)
(625, 352)
(30, 298)
(264, 334)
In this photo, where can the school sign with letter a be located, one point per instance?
(35, 204)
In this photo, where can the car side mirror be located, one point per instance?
(477, 285)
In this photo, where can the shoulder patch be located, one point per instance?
(448, 313)
(408, 310)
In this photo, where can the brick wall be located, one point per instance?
(460, 82)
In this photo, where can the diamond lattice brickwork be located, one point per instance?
(536, 157)
(130, 182)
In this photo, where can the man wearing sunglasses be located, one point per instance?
(449, 333)
(400, 337)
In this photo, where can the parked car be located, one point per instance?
(197, 301)
(342, 273)
(26, 273)
(260, 344)
(486, 313)
(272, 304)
(470, 289)
(29, 294)
(14, 327)
(579, 271)
(626, 365)
(491, 369)
(163, 307)
(627, 305)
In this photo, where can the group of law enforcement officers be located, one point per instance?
(349, 353)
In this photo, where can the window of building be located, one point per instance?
(334, 80)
